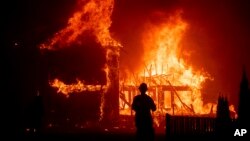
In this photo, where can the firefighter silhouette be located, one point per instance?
(143, 105)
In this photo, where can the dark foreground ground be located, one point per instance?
(100, 133)
(104, 135)
(88, 135)
(113, 136)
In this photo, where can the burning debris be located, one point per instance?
(78, 87)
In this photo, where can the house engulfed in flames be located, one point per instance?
(175, 87)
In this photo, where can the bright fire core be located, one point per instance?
(166, 73)
(174, 85)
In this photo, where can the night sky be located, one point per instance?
(218, 37)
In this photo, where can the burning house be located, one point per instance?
(173, 84)
(93, 18)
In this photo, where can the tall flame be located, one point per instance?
(164, 67)
(161, 44)
(93, 16)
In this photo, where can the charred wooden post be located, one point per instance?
(172, 101)
(111, 98)
(168, 127)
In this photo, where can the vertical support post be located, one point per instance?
(172, 101)
(168, 125)
(111, 98)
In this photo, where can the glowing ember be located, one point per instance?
(78, 87)
(232, 110)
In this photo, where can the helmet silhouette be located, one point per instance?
(143, 87)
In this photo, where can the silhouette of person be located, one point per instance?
(143, 105)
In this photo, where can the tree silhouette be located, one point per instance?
(243, 115)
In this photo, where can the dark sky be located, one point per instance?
(218, 34)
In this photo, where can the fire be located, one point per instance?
(164, 68)
(93, 17)
(77, 87)
(232, 110)
(170, 78)
(161, 44)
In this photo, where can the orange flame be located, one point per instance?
(162, 44)
(232, 110)
(164, 67)
(77, 87)
(93, 16)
